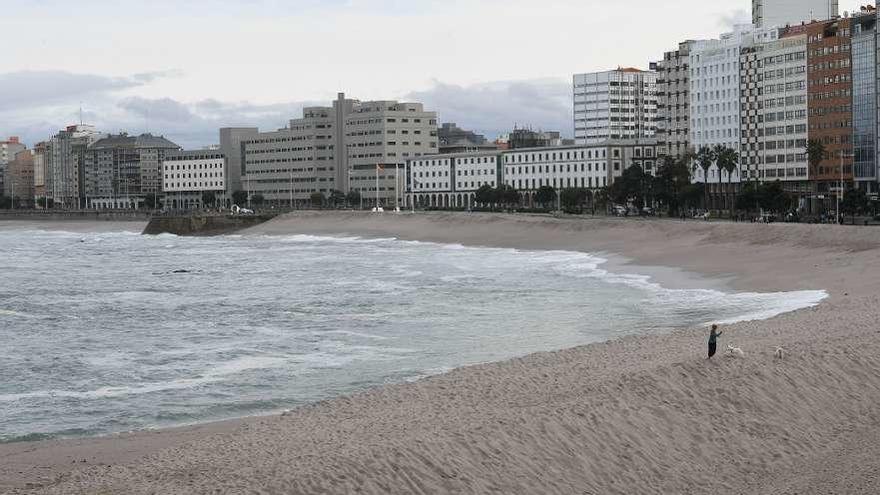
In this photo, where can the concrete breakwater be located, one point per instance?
(203, 225)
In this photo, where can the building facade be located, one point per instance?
(18, 182)
(865, 102)
(41, 182)
(781, 13)
(125, 172)
(352, 145)
(189, 175)
(830, 93)
(453, 139)
(715, 95)
(673, 100)
(8, 149)
(451, 181)
(774, 116)
(65, 161)
(231, 145)
(616, 104)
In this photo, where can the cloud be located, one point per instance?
(30, 89)
(729, 20)
(495, 108)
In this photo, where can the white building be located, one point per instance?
(775, 130)
(715, 110)
(452, 180)
(188, 174)
(781, 13)
(616, 104)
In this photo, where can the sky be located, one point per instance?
(184, 68)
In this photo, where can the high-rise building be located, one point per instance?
(64, 164)
(42, 182)
(830, 104)
(865, 101)
(125, 172)
(351, 145)
(774, 114)
(715, 100)
(673, 100)
(615, 104)
(780, 13)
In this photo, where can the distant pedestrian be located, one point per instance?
(713, 340)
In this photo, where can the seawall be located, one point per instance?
(203, 225)
(78, 215)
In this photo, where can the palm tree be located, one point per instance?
(704, 159)
(727, 160)
(815, 155)
(718, 152)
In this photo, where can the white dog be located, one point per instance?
(780, 353)
(735, 352)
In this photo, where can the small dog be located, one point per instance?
(735, 352)
(780, 353)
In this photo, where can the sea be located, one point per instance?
(114, 332)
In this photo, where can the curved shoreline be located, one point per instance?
(534, 424)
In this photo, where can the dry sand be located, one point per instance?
(637, 415)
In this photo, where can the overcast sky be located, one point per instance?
(183, 68)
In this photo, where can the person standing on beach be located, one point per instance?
(713, 340)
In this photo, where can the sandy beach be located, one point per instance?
(639, 415)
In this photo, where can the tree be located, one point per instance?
(573, 198)
(691, 195)
(507, 195)
(855, 201)
(239, 198)
(151, 201)
(317, 198)
(815, 155)
(5, 202)
(672, 177)
(257, 200)
(704, 159)
(773, 197)
(486, 195)
(209, 198)
(353, 197)
(748, 197)
(633, 186)
(545, 195)
(727, 160)
(337, 198)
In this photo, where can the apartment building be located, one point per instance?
(18, 182)
(452, 180)
(124, 172)
(65, 161)
(8, 149)
(715, 94)
(673, 100)
(616, 104)
(774, 113)
(41, 182)
(830, 102)
(188, 174)
(781, 13)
